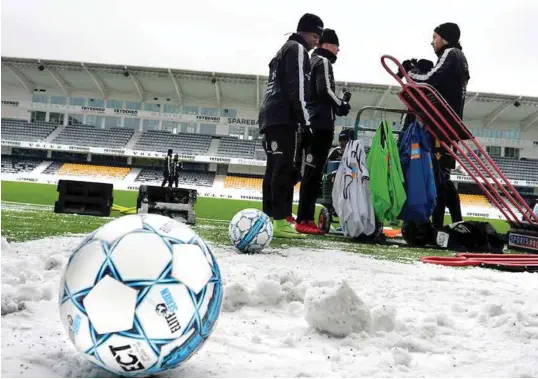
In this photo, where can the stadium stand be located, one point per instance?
(21, 130)
(513, 168)
(53, 168)
(246, 182)
(260, 154)
(88, 135)
(182, 143)
(194, 178)
(14, 165)
(475, 200)
(243, 182)
(77, 169)
(235, 148)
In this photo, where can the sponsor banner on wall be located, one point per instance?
(10, 103)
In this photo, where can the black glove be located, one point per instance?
(424, 66)
(407, 65)
(343, 109)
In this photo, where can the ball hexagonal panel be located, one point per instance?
(111, 306)
(141, 256)
(165, 311)
(84, 266)
(244, 224)
(168, 227)
(190, 266)
(118, 227)
(126, 355)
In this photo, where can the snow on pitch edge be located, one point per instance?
(304, 313)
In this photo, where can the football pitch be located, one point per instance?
(27, 214)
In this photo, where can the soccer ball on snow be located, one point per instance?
(140, 295)
(250, 231)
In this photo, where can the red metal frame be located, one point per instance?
(418, 93)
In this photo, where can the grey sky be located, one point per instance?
(499, 38)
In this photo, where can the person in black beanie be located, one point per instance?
(449, 77)
(168, 169)
(323, 108)
(282, 113)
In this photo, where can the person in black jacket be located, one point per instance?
(323, 107)
(449, 77)
(178, 166)
(284, 110)
(168, 169)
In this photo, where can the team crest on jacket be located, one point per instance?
(274, 146)
(309, 158)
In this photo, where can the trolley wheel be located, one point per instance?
(325, 219)
(417, 233)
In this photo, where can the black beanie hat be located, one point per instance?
(449, 31)
(329, 36)
(310, 23)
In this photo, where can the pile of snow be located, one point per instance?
(298, 312)
(337, 310)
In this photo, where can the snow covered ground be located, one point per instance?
(307, 313)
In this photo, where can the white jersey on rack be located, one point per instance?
(351, 192)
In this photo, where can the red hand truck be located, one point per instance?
(445, 125)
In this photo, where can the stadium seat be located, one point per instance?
(243, 182)
(182, 143)
(233, 147)
(88, 135)
(15, 165)
(475, 200)
(77, 169)
(22, 130)
(186, 177)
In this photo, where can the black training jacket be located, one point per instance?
(449, 77)
(323, 100)
(288, 87)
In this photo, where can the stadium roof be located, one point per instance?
(224, 89)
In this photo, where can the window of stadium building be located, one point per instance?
(151, 107)
(493, 151)
(133, 105)
(36, 98)
(237, 131)
(211, 112)
(512, 134)
(96, 103)
(171, 126)
(59, 100)
(96, 121)
(210, 129)
(38, 116)
(132, 123)
(169, 108)
(188, 109)
(75, 119)
(117, 104)
(77, 101)
(511, 152)
(253, 134)
(150, 125)
(228, 112)
(492, 133)
(57, 118)
(112, 122)
(188, 128)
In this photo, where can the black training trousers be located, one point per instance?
(167, 179)
(280, 146)
(447, 194)
(317, 152)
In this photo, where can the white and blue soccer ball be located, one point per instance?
(140, 295)
(250, 231)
